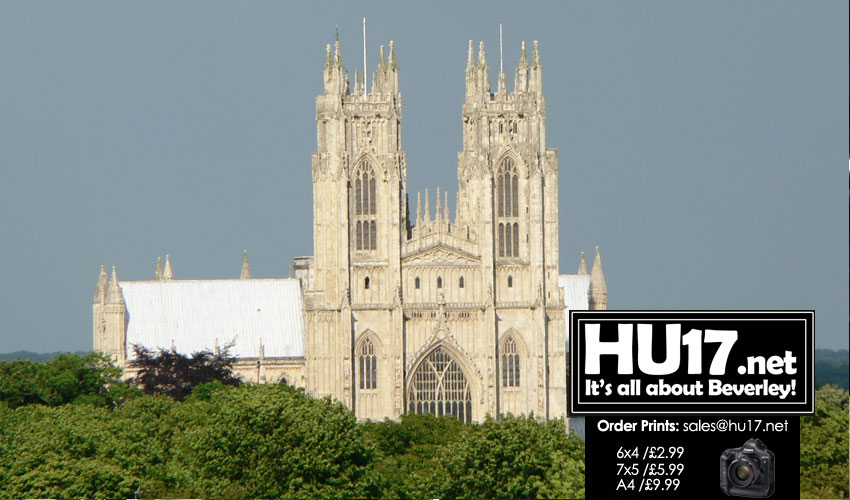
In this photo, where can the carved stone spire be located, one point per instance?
(438, 215)
(381, 65)
(582, 266)
(535, 58)
(100, 289)
(427, 208)
(337, 54)
(521, 79)
(246, 268)
(113, 291)
(329, 60)
(393, 64)
(523, 62)
(157, 272)
(482, 60)
(470, 62)
(418, 208)
(446, 206)
(168, 273)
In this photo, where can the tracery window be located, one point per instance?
(368, 365)
(507, 208)
(366, 230)
(510, 363)
(439, 387)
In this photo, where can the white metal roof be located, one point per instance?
(198, 314)
(576, 290)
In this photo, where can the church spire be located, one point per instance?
(157, 272)
(167, 274)
(246, 268)
(100, 289)
(113, 291)
(582, 266)
(438, 215)
(427, 207)
(446, 206)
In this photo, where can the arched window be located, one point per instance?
(417, 282)
(366, 283)
(439, 282)
(510, 281)
(510, 363)
(365, 199)
(439, 387)
(507, 208)
(460, 282)
(368, 365)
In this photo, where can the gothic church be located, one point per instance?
(398, 310)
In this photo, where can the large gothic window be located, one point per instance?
(510, 363)
(439, 387)
(366, 228)
(507, 208)
(368, 365)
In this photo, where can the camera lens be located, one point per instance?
(742, 472)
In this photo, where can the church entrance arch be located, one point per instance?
(440, 387)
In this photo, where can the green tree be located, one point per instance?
(269, 441)
(823, 446)
(90, 378)
(518, 457)
(410, 454)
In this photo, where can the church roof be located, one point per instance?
(195, 315)
(576, 288)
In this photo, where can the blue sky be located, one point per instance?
(702, 146)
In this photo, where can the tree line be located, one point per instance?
(185, 427)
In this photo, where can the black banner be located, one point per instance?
(691, 362)
(692, 457)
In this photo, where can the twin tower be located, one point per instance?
(409, 311)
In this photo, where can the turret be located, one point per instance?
(246, 268)
(598, 288)
(115, 321)
(98, 302)
(167, 274)
(582, 266)
(336, 78)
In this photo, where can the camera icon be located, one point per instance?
(748, 471)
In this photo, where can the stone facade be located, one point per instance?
(422, 312)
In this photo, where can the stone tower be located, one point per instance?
(359, 203)
(109, 317)
(508, 192)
